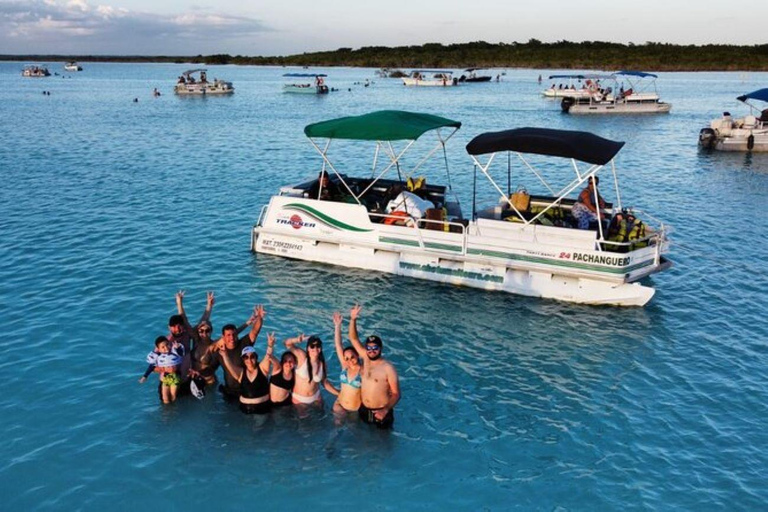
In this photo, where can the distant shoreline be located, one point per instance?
(531, 55)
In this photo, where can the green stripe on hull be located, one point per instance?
(518, 257)
(325, 218)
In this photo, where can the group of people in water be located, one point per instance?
(187, 358)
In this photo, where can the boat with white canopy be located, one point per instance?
(639, 97)
(750, 133)
(422, 78)
(407, 227)
(72, 66)
(194, 82)
(315, 86)
(574, 86)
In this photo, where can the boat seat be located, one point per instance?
(749, 122)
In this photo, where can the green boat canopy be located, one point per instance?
(381, 125)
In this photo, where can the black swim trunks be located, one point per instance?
(261, 408)
(367, 415)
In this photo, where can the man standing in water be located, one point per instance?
(233, 345)
(380, 388)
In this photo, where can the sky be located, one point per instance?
(279, 27)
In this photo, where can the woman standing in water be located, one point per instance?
(350, 380)
(282, 380)
(254, 386)
(310, 370)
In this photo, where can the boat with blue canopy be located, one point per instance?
(749, 133)
(628, 92)
(315, 86)
(393, 220)
(430, 78)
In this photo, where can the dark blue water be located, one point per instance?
(108, 207)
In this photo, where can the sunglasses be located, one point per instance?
(314, 346)
(250, 356)
(372, 348)
(203, 331)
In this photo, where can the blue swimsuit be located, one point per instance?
(356, 382)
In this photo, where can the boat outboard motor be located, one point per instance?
(707, 138)
(567, 103)
(455, 81)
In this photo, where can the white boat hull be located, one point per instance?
(428, 83)
(566, 93)
(492, 255)
(723, 137)
(620, 108)
(203, 89)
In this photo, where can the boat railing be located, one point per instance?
(261, 215)
(418, 226)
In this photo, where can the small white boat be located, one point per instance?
(574, 86)
(749, 133)
(316, 86)
(439, 78)
(641, 97)
(529, 249)
(72, 66)
(189, 85)
(33, 71)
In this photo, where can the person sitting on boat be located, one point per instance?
(182, 80)
(324, 189)
(203, 78)
(584, 210)
(408, 203)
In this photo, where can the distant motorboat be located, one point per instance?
(72, 66)
(749, 133)
(470, 76)
(188, 85)
(439, 78)
(318, 85)
(33, 71)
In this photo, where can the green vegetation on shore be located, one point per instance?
(533, 54)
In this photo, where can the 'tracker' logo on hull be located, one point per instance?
(296, 222)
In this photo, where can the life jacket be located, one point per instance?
(635, 232)
(415, 184)
(396, 217)
(617, 232)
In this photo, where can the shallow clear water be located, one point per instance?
(108, 207)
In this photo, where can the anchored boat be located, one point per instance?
(574, 86)
(33, 71)
(641, 97)
(471, 76)
(194, 82)
(421, 78)
(72, 66)
(317, 86)
(749, 133)
(410, 228)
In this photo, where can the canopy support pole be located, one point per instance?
(616, 184)
(534, 171)
(330, 165)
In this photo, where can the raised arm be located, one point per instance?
(228, 364)
(354, 313)
(337, 320)
(267, 359)
(256, 322)
(291, 343)
(180, 310)
(206, 316)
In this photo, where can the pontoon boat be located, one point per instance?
(420, 77)
(188, 85)
(529, 249)
(32, 71)
(640, 97)
(72, 66)
(574, 86)
(749, 133)
(317, 86)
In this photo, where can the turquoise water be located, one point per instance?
(108, 207)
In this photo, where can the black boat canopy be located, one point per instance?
(583, 146)
(641, 74)
(760, 94)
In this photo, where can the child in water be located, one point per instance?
(166, 358)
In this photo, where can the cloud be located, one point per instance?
(75, 26)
